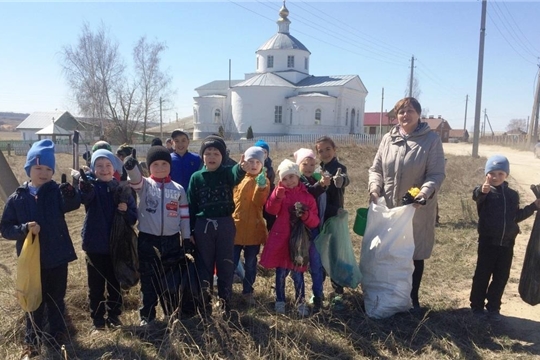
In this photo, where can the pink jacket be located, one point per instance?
(276, 251)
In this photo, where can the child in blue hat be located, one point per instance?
(498, 218)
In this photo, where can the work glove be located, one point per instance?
(261, 178)
(85, 185)
(338, 179)
(280, 192)
(130, 162)
(67, 190)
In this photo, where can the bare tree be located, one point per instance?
(96, 73)
(517, 125)
(153, 82)
(93, 68)
(416, 91)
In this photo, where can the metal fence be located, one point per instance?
(235, 147)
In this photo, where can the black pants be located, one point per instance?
(215, 248)
(416, 280)
(53, 291)
(160, 259)
(101, 277)
(494, 262)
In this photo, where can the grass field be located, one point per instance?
(446, 330)
(10, 135)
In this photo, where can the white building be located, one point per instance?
(281, 97)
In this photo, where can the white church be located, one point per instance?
(281, 97)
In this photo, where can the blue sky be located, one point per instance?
(372, 39)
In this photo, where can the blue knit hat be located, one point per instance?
(498, 162)
(41, 153)
(264, 145)
(102, 153)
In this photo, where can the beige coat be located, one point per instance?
(401, 164)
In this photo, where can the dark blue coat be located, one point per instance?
(47, 209)
(100, 208)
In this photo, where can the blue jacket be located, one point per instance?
(182, 167)
(100, 208)
(47, 209)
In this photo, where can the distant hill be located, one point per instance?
(12, 119)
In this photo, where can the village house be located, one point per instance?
(55, 125)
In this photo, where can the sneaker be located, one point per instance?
(494, 316)
(99, 325)
(145, 322)
(249, 299)
(30, 351)
(113, 322)
(479, 313)
(317, 304)
(280, 307)
(303, 310)
(337, 303)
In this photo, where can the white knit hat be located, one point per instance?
(287, 167)
(302, 153)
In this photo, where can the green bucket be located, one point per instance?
(360, 221)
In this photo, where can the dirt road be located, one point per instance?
(519, 317)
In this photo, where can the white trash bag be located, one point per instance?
(386, 261)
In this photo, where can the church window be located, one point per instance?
(278, 114)
(306, 63)
(318, 117)
(347, 117)
(358, 119)
(290, 116)
(217, 116)
(270, 61)
(257, 63)
(290, 61)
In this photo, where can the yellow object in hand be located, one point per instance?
(414, 191)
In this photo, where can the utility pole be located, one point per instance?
(412, 76)
(533, 124)
(380, 119)
(160, 118)
(465, 121)
(478, 108)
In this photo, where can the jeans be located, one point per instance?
(299, 286)
(317, 271)
(250, 265)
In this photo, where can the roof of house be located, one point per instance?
(265, 79)
(39, 120)
(53, 129)
(435, 123)
(374, 119)
(313, 94)
(457, 133)
(330, 80)
(185, 123)
(283, 41)
(218, 85)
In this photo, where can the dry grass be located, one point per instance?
(10, 135)
(445, 331)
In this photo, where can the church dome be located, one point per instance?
(283, 41)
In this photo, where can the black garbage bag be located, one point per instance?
(299, 240)
(529, 282)
(123, 244)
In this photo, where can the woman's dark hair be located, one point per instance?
(406, 102)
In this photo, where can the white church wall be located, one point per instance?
(255, 106)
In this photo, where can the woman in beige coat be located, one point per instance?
(410, 155)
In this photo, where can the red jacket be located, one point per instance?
(276, 251)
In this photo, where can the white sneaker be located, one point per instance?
(280, 307)
(303, 310)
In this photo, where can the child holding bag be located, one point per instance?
(276, 254)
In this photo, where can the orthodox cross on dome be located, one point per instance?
(283, 22)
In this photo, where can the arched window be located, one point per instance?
(290, 118)
(217, 116)
(195, 116)
(346, 117)
(318, 117)
(358, 119)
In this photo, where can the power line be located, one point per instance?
(534, 50)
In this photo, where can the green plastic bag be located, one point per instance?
(28, 284)
(337, 253)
